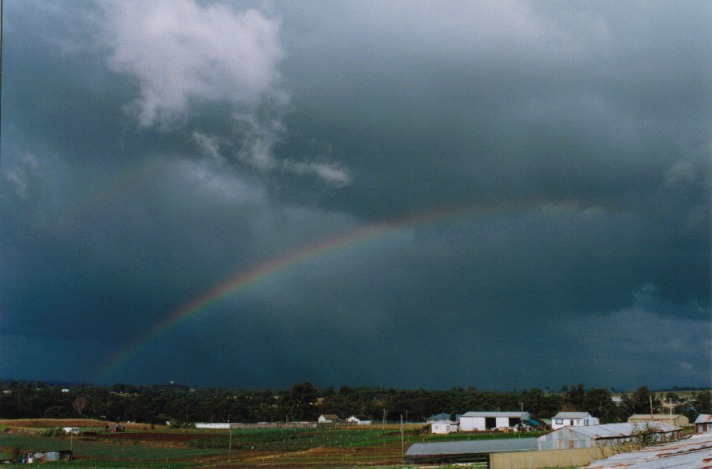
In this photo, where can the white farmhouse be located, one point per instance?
(481, 421)
(443, 427)
(573, 419)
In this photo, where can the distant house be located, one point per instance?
(71, 430)
(472, 421)
(703, 423)
(443, 427)
(668, 419)
(359, 420)
(573, 419)
(593, 436)
(328, 418)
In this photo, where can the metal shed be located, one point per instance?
(602, 435)
(466, 451)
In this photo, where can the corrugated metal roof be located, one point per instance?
(704, 418)
(695, 451)
(497, 414)
(472, 447)
(571, 415)
(654, 416)
(614, 430)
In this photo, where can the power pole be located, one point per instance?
(229, 447)
(402, 441)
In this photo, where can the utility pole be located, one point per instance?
(229, 447)
(402, 442)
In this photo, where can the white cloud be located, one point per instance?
(179, 51)
(18, 174)
(182, 53)
(680, 174)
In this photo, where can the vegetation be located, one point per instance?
(303, 402)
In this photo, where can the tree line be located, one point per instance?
(304, 402)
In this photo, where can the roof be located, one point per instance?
(472, 447)
(330, 416)
(496, 414)
(704, 418)
(359, 417)
(694, 451)
(654, 416)
(571, 415)
(440, 416)
(613, 430)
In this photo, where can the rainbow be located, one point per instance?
(243, 280)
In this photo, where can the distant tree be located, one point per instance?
(703, 402)
(299, 403)
(638, 403)
(598, 403)
(79, 404)
(56, 412)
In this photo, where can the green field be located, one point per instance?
(374, 446)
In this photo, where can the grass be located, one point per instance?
(265, 447)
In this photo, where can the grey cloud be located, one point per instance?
(576, 133)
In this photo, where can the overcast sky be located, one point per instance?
(430, 194)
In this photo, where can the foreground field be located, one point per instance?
(141, 446)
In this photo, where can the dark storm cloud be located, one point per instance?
(147, 158)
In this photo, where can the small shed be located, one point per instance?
(573, 419)
(472, 421)
(668, 419)
(703, 423)
(443, 427)
(611, 434)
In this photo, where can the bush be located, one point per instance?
(16, 452)
(56, 431)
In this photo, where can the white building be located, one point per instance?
(213, 426)
(481, 421)
(328, 418)
(443, 427)
(359, 420)
(573, 419)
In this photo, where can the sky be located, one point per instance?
(408, 194)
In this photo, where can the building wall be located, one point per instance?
(555, 458)
(574, 422)
(443, 427)
(468, 424)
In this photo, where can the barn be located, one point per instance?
(472, 421)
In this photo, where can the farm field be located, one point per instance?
(373, 445)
